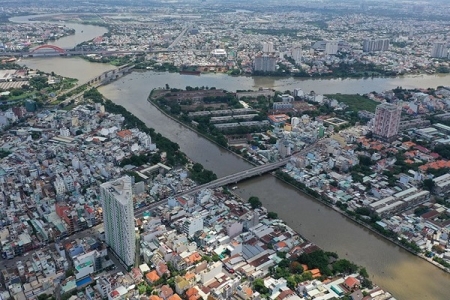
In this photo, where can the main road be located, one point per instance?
(233, 178)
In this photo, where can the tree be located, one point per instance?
(363, 272)
(428, 184)
(272, 215)
(69, 273)
(148, 290)
(254, 202)
(272, 140)
(296, 267)
(215, 257)
(259, 286)
(344, 266)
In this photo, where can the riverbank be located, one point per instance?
(149, 99)
(315, 197)
(365, 225)
(366, 282)
(168, 67)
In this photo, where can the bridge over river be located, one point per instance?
(233, 178)
(97, 81)
(52, 50)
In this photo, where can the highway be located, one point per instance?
(179, 37)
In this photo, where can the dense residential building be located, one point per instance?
(376, 45)
(387, 121)
(118, 215)
(440, 50)
(265, 63)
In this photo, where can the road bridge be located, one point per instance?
(233, 178)
(75, 52)
(97, 81)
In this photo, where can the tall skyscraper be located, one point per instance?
(118, 216)
(376, 45)
(387, 121)
(265, 63)
(296, 53)
(440, 50)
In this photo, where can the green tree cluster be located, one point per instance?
(201, 175)
(272, 215)
(174, 155)
(254, 202)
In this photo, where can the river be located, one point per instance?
(403, 274)
(83, 32)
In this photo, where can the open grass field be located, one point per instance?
(355, 102)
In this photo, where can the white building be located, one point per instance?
(331, 48)
(84, 264)
(296, 53)
(192, 225)
(211, 272)
(118, 216)
(440, 50)
(59, 185)
(299, 93)
(69, 183)
(64, 132)
(376, 45)
(268, 47)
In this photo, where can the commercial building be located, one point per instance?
(376, 45)
(387, 121)
(265, 63)
(440, 50)
(118, 215)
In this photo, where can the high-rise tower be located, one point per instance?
(118, 216)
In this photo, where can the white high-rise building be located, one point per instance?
(387, 121)
(376, 45)
(296, 53)
(331, 48)
(118, 216)
(268, 47)
(265, 63)
(439, 50)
